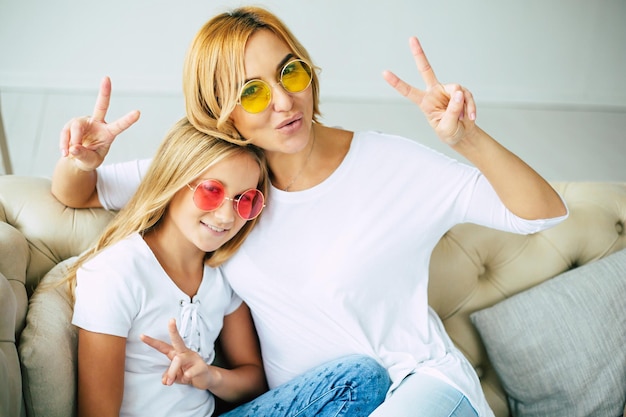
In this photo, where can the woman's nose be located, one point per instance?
(281, 99)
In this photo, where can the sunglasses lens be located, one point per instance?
(255, 96)
(250, 204)
(208, 195)
(296, 76)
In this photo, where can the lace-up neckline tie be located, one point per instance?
(189, 327)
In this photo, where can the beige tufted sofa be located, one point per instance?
(472, 267)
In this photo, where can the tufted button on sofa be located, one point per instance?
(472, 268)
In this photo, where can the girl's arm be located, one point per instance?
(100, 374)
(245, 379)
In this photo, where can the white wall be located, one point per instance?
(555, 55)
(554, 51)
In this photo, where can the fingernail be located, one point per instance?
(458, 96)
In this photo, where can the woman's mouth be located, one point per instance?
(290, 122)
(290, 126)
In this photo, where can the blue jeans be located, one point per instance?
(351, 386)
(424, 395)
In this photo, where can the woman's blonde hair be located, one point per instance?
(182, 157)
(214, 70)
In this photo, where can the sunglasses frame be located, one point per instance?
(235, 200)
(271, 86)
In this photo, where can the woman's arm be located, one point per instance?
(101, 360)
(522, 190)
(84, 143)
(451, 111)
(73, 186)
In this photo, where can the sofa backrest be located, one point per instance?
(474, 267)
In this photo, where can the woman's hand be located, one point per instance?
(186, 367)
(84, 143)
(450, 109)
(87, 139)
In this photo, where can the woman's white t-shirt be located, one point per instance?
(342, 267)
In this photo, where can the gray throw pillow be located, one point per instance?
(560, 348)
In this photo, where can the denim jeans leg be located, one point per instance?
(350, 386)
(425, 395)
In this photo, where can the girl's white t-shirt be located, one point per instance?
(125, 292)
(342, 267)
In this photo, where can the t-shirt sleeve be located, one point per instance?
(104, 302)
(235, 302)
(118, 182)
(484, 207)
(447, 191)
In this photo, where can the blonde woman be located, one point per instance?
(340, 262)
(158, 262)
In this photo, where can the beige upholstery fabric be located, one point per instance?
(48, 348)
(36, 233)
(472, 267)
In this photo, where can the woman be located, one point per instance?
(157, 260)
(340, 261)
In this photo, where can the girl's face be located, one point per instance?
(285, 125)
(208, 230)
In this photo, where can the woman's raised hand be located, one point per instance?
(88, 139)
(449, 108)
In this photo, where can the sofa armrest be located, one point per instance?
(10, 376)
(14, 257)
(36, 233)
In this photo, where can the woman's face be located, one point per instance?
(285, 125)
(208, 230)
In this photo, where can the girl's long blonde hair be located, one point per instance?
(182, 157)
(214, 70)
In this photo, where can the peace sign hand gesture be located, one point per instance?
(449, 108)
(88, 139)
(186, 367)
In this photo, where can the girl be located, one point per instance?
(341, 259)
(158, 259)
